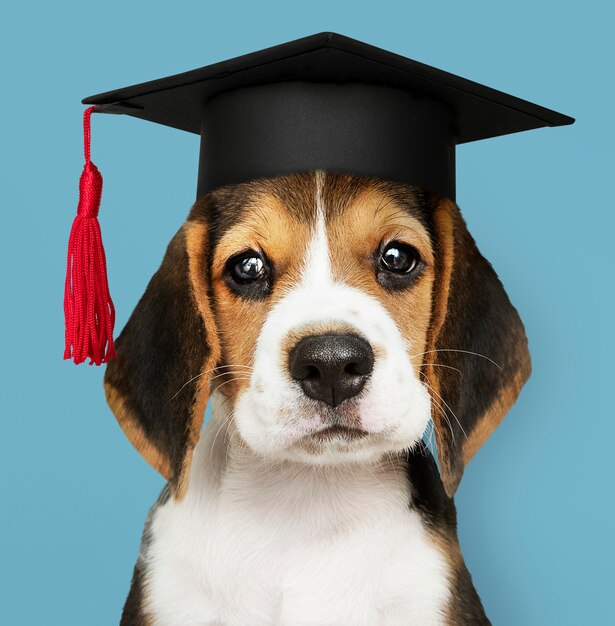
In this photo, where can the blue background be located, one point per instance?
(535, 506)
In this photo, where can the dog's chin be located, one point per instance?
(326, 436)
(338, 448)
(335, 447)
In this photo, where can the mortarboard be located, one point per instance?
(322, 102)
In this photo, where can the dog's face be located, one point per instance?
(322, 294)
(337, 314)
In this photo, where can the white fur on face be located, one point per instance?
(273, 415)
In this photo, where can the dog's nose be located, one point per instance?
(331, 367)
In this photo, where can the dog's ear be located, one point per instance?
(159, 384)
(478, 358)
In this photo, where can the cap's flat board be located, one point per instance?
(177, 101)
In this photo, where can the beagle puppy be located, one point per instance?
(331, 319)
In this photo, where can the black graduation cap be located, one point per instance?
(322, 102)
(327, 102)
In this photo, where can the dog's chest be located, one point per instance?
(294, 548)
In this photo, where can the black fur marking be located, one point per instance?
(133, 615)
(428, 494)
(439, 514)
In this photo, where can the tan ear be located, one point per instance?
(159, 384)
(472, 316)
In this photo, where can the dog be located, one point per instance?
(330, 319)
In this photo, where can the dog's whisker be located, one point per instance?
(450, 367)
(442, 412)
(185, 385)
(238, 450)
(393, 463)
(234, 431)
(232, 380)
(223, 423)
(446, 418)
(430, 443)
(372, 471)
(420, 447)
(449, 408)
(212, 369)
(452, 413)
(414, 356)
(230, 373)
(228, 399)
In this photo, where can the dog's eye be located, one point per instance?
(398, 265)
(399, 258)
(249, 275)
(247, 268)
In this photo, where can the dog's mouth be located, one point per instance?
(334, 433)
(338, 431)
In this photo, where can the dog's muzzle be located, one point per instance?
(331, 367)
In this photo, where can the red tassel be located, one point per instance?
(89, 313)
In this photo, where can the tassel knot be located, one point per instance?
(88, 309)
(90, 191)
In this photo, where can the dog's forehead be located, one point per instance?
(286, 205)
